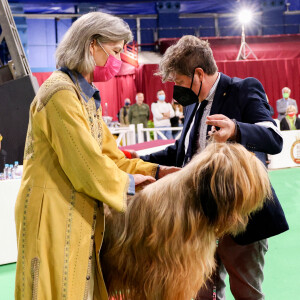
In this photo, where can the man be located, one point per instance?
(235, 110)
(123, 114)
(162, 113)
(139, 112)
(284, 102)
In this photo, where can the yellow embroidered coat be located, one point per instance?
(71, 167)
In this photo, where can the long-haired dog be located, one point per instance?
(163, 247)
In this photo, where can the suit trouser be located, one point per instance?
(244, 265)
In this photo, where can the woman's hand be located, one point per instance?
(133, 154)
(141, 181)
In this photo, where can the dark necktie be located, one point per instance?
(194, 133)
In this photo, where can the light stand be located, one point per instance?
(245, 51)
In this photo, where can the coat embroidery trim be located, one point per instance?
(94, 120)
(23, 240)
(35, 269)
(89, 270)
(67, 246)
(74, 143)
(154, 170)
(53, 84)
(90, 109)
(43, 101)
(29, 149)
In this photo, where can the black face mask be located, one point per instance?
(185, 96)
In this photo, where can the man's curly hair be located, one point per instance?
(187, 54)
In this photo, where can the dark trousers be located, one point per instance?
(244, 265)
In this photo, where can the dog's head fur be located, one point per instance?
(163, 246)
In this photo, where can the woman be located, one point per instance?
(290, 121)
(71, 167)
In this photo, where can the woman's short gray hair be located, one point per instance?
(73, 51)
(187, 54)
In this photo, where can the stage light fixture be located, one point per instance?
(245, 16)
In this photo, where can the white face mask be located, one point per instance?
(161, 97)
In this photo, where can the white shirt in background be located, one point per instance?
(158, 109)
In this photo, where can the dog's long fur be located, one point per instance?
(163, 247)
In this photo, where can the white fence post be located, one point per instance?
(131, 135)
(148, 136)
(140, 133)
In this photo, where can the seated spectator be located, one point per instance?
(162, 113)
(178, 119)
(284, 102)
(290, 121)
(123, 114)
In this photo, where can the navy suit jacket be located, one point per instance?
(243, 100)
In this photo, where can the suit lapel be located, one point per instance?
(189, 114)
(220, 95)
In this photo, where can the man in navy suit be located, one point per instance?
(235, 110)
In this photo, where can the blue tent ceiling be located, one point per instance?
(148, 7)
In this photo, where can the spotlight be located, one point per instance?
(245, 51)
(245, 16)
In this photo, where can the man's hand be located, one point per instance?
(164, 170)
(226, 125)
(141, 181)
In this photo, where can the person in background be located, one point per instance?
(290, 121)
(139, 112)
(284, 102)
(162, 113)
(178, 119)
(227, 109)
(72, 166)
(124, 113)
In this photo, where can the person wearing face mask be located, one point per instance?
(226, 109)
(139, 112)
(284, 102)
(72, 167)
(162, 113)
(290, 121)
(123, 114)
